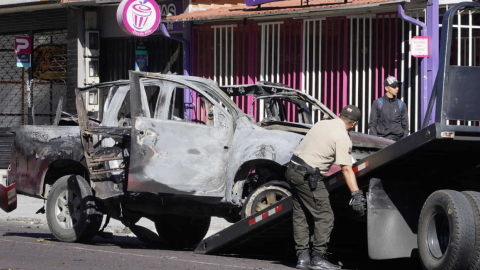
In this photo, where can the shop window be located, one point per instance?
(196, 109)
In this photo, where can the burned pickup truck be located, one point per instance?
(174, 149)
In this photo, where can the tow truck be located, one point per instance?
(423, 191)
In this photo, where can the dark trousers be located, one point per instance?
(311, 212)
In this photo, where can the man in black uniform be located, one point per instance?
(389, 115)
(326, 143)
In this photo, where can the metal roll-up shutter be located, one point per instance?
(21, 22)
(6, 140)
(49, 29)
(117, 56)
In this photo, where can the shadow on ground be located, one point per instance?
(348, 259)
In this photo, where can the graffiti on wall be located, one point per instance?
(50, 63)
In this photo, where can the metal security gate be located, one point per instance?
(12, 84)
(241, 54)
(347, 59)
(227, 54)
(43, 90)
(325, 57)
(339, 60)
(281, 47)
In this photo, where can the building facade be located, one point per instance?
(338, 52)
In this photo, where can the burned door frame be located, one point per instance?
(188, 167)
(104, 143)
(107, 145)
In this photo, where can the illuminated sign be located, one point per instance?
(138, 17)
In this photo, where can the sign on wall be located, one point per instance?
(141, 58)
(138, 17)
(420, 46)
(23, 48)
(172, 9)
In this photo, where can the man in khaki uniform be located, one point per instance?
(326, 143)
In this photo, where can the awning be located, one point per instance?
(276, 8)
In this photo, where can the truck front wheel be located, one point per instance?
(263, 197)
(71, 210)
(446, 231)
(182, 231)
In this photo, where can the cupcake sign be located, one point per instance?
(138, 17)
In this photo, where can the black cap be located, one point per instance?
(391, 81)
(351, 112)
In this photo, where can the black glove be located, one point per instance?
(358, 202)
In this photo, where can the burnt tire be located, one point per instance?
(263, 197)
(474, 200)
(446, 229)
(182, 231)
(71, 210)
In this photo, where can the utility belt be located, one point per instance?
(313, 175)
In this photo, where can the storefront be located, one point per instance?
(48, 76)
(120, 51)
(71, 47)
(340, 54)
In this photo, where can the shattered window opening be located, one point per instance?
(152, 92)
(199, 110)
(124, 116)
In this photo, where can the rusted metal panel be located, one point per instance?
(36, 148)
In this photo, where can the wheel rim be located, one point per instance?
(266, 199)
(438, 235)
(68, 209)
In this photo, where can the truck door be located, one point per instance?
(183, 147)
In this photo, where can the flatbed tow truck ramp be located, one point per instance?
(423, 191)
(260, 232)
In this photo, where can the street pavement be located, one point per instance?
(28, 246)
(26, 243)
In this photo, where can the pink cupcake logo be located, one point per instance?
(138, 17)
(140, 14)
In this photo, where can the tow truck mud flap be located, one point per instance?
(8, 196)
(389, 235)
(269, 231)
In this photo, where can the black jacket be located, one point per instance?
(388, 122)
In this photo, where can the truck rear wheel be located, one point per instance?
(474, 200)
(71, 211)
(263, 197)
(182, 231)
(445, 231)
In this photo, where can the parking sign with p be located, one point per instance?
(23, 48)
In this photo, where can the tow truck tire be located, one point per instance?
(182, 231)
(264, 196)
(71, 210)
(474, 200)
(446, 228)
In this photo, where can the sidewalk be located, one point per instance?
(28, 206)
